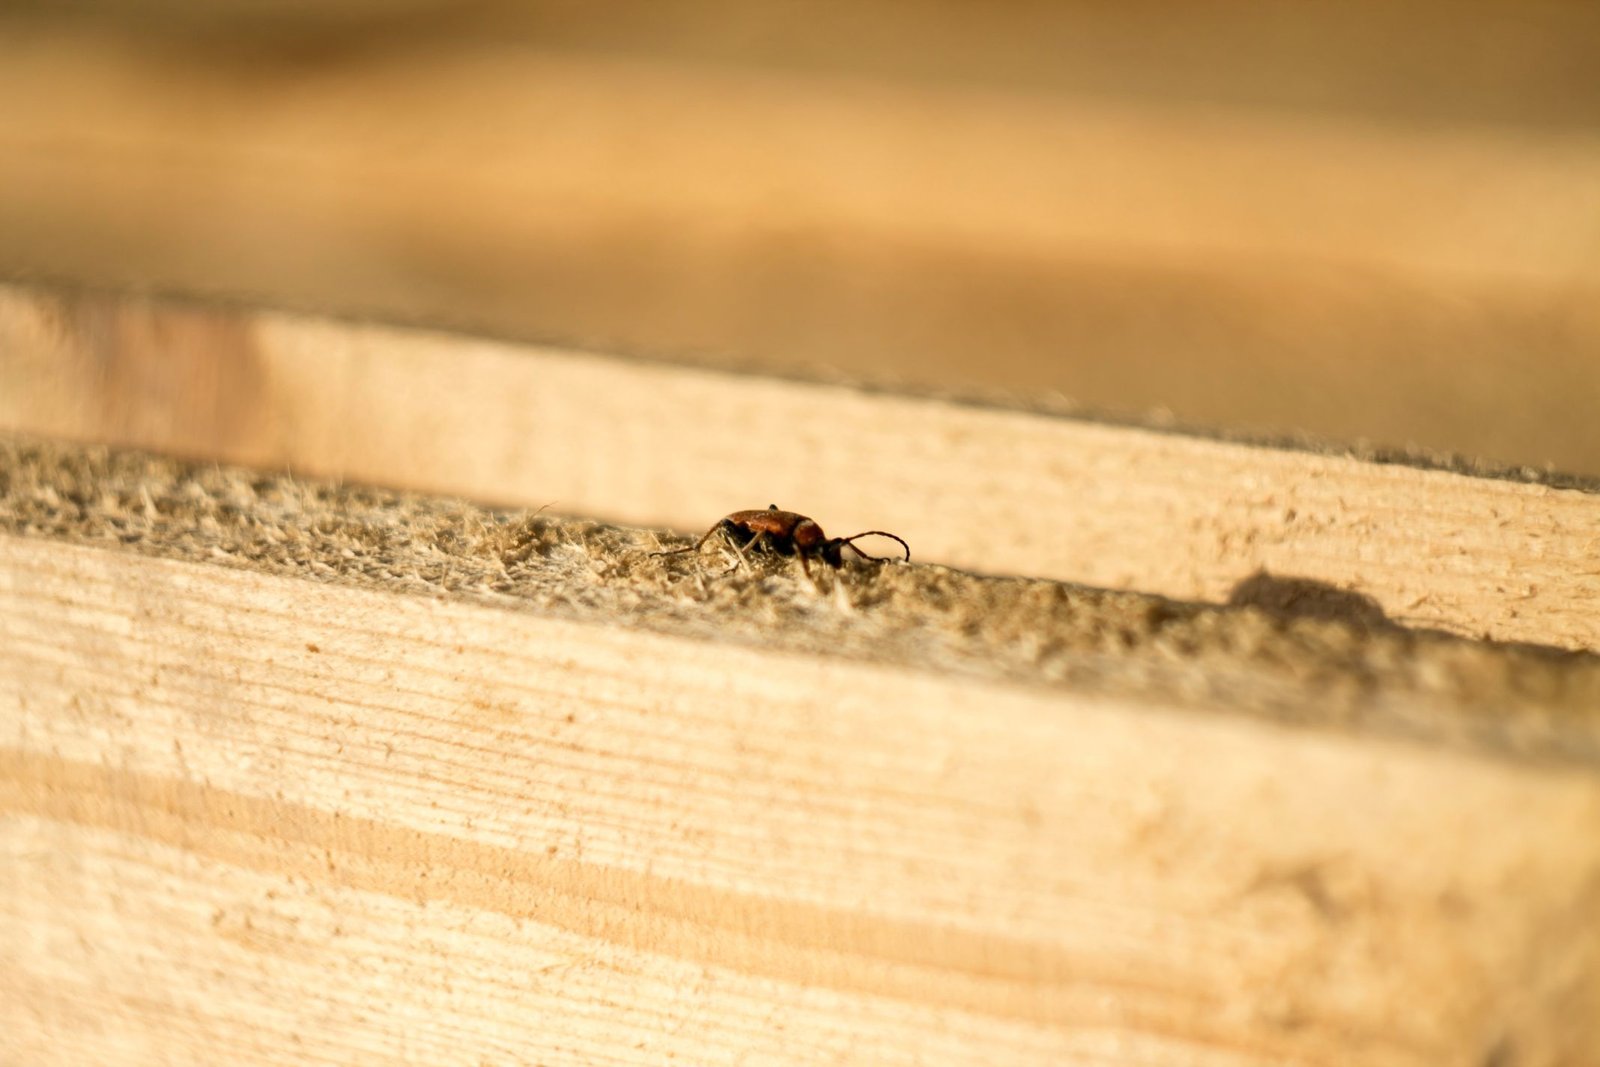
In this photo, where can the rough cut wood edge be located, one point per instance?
(985, 489)
(267, 820)
(1314, 660)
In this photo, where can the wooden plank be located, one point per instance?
(330, 797)
(983, 488)
(1268, 262)
(599, 138)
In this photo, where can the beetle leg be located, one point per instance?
(738, 550)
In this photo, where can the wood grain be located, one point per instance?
(984, 488)
(285, 820)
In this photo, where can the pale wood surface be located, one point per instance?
(1250, 217)
(989, 489)
(288, 821)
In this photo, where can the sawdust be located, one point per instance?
(1354, 670)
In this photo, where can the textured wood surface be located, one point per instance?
(297, 774)
(989, 489)
(274, 820)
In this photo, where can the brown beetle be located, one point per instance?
(786, 533)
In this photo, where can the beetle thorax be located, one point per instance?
(808, 536)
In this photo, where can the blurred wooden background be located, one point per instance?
(1352, 219)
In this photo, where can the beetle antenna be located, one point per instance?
(869, 533)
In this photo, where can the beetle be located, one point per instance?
(787, 533)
